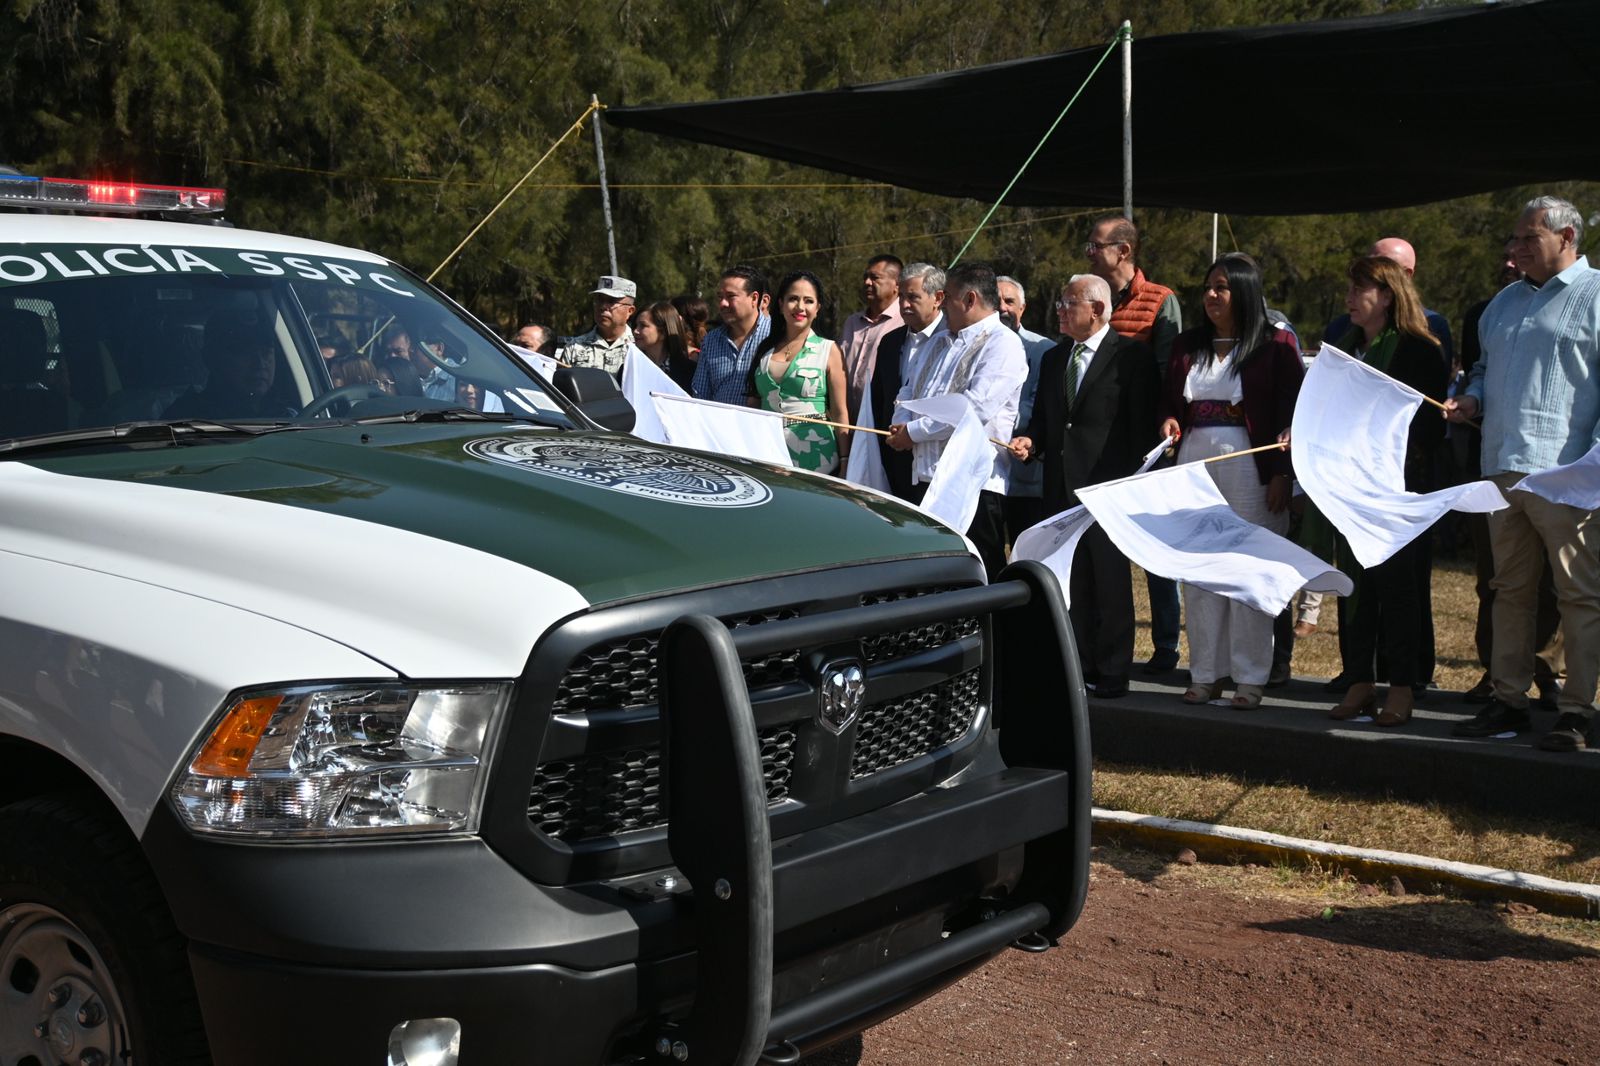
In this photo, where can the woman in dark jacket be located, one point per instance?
(1389, 333)
(1231, 385)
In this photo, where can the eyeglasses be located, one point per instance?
(1094, 246)
(1062, 305)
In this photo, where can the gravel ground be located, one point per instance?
(1181, 965)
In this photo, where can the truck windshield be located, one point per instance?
(99, 336)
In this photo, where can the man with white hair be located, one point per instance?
(982, 360)
(1024, 503)
(900, 353)
(1537, 388)
(1093, 420)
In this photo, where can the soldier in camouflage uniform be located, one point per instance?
(608, 344)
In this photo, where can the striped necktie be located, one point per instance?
(1071, 390)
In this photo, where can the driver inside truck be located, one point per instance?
(241, 356)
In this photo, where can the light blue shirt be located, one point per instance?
(1027, 479)
(439, 385)
(1538, 381)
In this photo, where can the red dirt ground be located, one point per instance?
(1165, 967)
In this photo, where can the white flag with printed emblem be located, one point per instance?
(722, 428)
(1054, 541)
(1349, 432)
(1175, 523)
(1577, 484)
(964, 465)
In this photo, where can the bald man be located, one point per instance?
(1399, 249)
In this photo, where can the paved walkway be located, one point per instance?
(1291, 738)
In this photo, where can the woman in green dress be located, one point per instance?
(799, 373)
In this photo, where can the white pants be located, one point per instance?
(1226, 638)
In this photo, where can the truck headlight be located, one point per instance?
(320, 761)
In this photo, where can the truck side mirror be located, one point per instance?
(597, 395)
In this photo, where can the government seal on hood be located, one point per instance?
(631, 469)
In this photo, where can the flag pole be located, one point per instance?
(803, 418)
(1248, 451)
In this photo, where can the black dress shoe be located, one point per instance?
(1111, 688)
(1338, 684)
(1163, 660)
(1278, 676)
(1573, 732)
(1496, 717)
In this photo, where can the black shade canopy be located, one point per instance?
(1320, 117)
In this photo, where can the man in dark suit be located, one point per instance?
(921, 299)
(1093, 420)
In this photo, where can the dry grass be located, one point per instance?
(1568, 851)
(1455, 614)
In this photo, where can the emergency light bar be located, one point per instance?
(71, 193)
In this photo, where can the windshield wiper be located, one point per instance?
(456, 414)
(172, 431)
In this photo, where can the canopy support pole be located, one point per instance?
(1213, 236)
(605, 193)
(1127, 119)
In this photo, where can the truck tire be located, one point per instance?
(92, 970)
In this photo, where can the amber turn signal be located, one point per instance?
(227, 753)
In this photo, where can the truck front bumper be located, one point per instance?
(316, 953)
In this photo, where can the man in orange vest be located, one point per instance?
(1146, 312)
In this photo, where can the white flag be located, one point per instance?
(1349, 431)
(1054, 541)
(1175, 523)
(965, 464)
(542, 365)
(722, 428)
(641, 378)
(1577, 484)
(865, 466)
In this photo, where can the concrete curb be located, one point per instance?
(1227, 843)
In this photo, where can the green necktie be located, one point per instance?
(1072, 374)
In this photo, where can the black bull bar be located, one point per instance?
(719, 833)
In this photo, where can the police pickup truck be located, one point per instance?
(365, 697)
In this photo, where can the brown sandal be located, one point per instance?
(1196, 695)
(1356, 703)
(1393, 715)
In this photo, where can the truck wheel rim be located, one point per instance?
(58, 1002)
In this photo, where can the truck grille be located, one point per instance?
(622, 673)
(899, 730)
(613, 790)
(609, 793)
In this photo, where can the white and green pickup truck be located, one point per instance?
(362, 718)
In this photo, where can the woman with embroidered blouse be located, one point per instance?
(800, 373)
(1231, 386)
